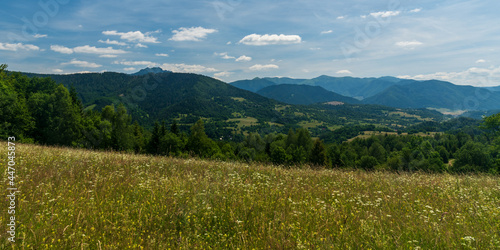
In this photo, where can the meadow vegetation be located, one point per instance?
(82, 199)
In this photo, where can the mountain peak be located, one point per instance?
(154, 70)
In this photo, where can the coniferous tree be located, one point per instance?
(199, 143)
(318, 153)
(154, 142)
(174, 128)
(139, 141)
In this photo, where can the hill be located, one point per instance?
(436, 94)
(168, 95)
(80, 198)
(303, 94)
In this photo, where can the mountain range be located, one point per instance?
(303, 94)
(388, 91)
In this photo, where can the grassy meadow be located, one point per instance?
(80, 199)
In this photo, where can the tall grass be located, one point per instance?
(101, 200)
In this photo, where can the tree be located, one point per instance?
(378, 151)
(154, 142)
(122, 137)
(171, 144)
(199, 143)
(291, 139)
(174, 128)
(443, 153)
(58, 121)
(297, 154)
(318, 153)
(163, 129)
(247, 154)
(394, 162)
(492, 124)
(367, 162)
(334, 156)
(471, 157)
(15, 117)
(304, 139)
(138, 137)
(279, 156)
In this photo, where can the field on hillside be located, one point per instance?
(78, 199)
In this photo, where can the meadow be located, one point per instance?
(81, 199)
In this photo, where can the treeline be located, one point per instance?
(38, 110)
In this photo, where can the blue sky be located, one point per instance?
(458, 41)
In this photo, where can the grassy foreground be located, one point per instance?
(74, 199)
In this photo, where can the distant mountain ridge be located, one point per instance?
(390, 91)
(303, 94)
(359, 88)
(437, 94)
(154, 70)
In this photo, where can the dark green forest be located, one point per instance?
(39, 110)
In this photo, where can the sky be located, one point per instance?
(456, 41)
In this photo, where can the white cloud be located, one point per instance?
(385, 14)
(408, 44)
(83, 64)
(326, 32)
(260, 67)
(344, 72)
(133, 36)
(18, 46)
(40, 36)
(108, 56)
(87, 50)
(113, 42)
(224, 55)
(140, 45)
(195, 34)
(161, 54)
(416, 10)
(129, 69)
(185, 68)
(58, 71)
(244, 58)
(93, 50)
(363, 16)
(136, 63)
(267, 39)
(222, 74)
(61, 49)
(481, 61)
(481, 77)
(340, 17)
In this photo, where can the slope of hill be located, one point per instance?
(303, 94)
(160, 95)
(141, 201)
(497, 88)
(436, 94)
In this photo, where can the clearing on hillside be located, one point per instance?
(91, 200)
